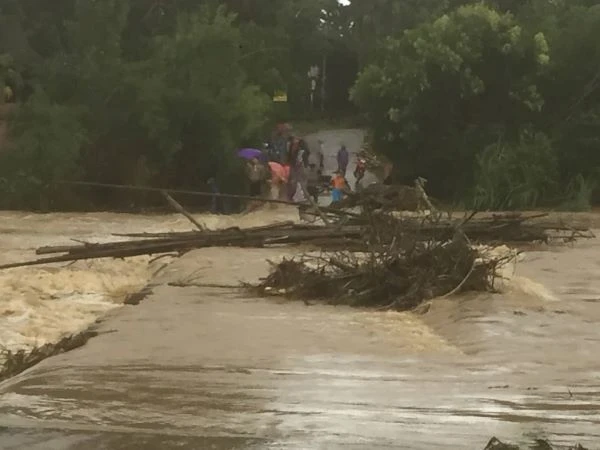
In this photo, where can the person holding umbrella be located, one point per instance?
(256, 169)
(250, 153)
(279, 178)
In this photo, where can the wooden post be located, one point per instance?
(182, 211)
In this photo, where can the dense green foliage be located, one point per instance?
(496, 103)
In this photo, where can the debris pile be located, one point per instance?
(386, 278)
(399, 262)
(538, 444)
(383, 197)
(397, 268)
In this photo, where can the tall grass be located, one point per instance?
(518, 175)
(578, 194)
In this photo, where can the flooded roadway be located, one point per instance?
(201, 367)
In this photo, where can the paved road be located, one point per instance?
(332, 141)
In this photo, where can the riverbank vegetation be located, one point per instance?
(13, 363)
(496, 103)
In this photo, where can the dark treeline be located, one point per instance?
(496, 103)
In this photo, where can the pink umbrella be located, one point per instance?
(280, 172)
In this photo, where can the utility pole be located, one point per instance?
(323, 82)
(313, 74)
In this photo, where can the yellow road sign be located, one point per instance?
(280, 97)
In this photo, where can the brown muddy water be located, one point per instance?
(214, 368)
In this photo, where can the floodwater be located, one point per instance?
(40, 304)
(204, 367)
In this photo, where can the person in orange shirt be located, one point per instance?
(338, 183)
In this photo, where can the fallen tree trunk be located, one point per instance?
(175, 234)
(240, 238)
(174, 238)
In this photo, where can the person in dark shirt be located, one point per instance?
(342, 160)
(214, 199)
(257, 174)
(304, 154)
(292, 151)
(321, 156)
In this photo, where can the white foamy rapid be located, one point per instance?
(41, 304)
(509, 281)
(44, 303)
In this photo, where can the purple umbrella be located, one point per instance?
(251, 153)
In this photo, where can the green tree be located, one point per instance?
(180, 105)
(571, 86)
(450, 87)
(372, 22)
(47, 140)
(197, 105)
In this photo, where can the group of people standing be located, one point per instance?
(284, 171)
(289, 172)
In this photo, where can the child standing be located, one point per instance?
(338, 183)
